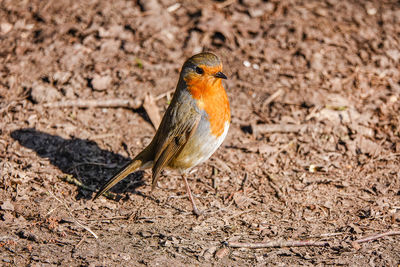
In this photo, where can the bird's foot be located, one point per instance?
(197, 212)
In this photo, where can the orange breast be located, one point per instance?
(211, 97)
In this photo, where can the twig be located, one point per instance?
(386, 157)
(328, 234)
(72, 180)
(173, 7)
(51, 211)
(95, 103)
(13, 102)
(243, 182)
(278, 244)
(225, 4)
(220, 164)
(305, 243)
(107, 166)
(111, 218)
(271, 98)
(167, 94)
(72, 216)
(80, 242)
(278, 128)
(102, 136)
(272, 179)
(237, 214)
(127, 217)
(375, 237)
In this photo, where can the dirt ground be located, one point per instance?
(313, 152)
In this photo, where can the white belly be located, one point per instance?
(199, 148)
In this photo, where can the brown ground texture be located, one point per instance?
(312, 155)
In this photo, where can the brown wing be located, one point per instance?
(178, 125)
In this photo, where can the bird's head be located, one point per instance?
(203, 68)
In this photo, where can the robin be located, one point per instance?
(193, 127)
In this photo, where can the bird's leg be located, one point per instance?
(189, 193)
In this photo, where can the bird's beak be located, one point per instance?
(220, 75)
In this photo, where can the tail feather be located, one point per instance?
(131, 167)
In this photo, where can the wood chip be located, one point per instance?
(222, 253)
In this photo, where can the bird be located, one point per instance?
(194, 125)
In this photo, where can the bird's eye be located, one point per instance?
(199, 70)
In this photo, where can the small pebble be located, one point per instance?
(312, 168)
(371, 11)
(7, 205)
(393, 99)
(101, 83)
(5, 27)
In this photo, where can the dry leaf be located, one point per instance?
(152, 110)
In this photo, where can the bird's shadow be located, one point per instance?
(81, 159)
